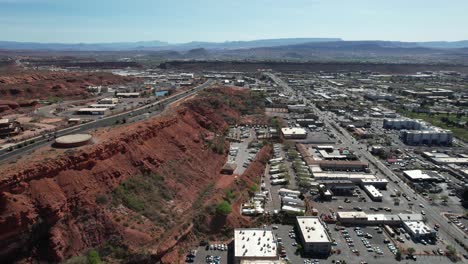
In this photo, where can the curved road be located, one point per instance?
(433, 214)
(40, 141)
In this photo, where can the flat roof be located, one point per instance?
(411, 217)
(93, 109)
(102, 105)
(451, 160)
(382, 217)
(352, 215)
(333, 155)
(293, 131)
(343, 175)
(312, 229)
(373, 191)
(4, 121)
(417, 227)
(254, 242)
(128, 93)
(417, 175)
(374, 180)
(311, 161)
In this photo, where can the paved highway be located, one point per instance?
(433, 214)
(41, 141)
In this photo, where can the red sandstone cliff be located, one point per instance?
(21, 86)
(61, 206)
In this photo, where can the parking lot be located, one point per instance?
(243, 155)
(342, 251)
(209, 255)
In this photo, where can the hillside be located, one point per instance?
(137, 195)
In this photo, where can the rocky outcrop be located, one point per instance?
(59, 206)
(21, 86)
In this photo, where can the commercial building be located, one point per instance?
(108, 106)
(362, 218)
(294, 133)
(108, 101)
(9, 128)
(383, 219)
(334, 165)
(313, 235)
(379, 96)
(418, 229)
(297, 108)
(128, 95)
(91, 111)
(444, 159)
(373, 193)
(254, 244)
(309, 122)
(355, 178)
(436, 136)
(419, 175)
(357, 218)
(377, 183)
(418, 132)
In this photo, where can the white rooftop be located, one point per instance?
(254, 242)
(417, 175)
(417, 227)
(342, 175)
(312, 229)
(92, 109)
(411, 217)
(373, 180)
(4, 121)
(373, 191)
(382, 217)
(352, 215)
(293, 131)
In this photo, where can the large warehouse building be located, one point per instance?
(314, 238)
(418, 132)
(294, 133)
(254, 244)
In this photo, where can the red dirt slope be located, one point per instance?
(25, 85)
(61, 206)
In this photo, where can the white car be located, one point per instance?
(421, 205)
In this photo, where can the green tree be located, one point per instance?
(93, 257)
(451, 251)
(398, 256)
(444, 198)
(223, 208)
(253, 188)
(411, 251)
(229, 195)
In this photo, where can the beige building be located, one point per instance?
(255, 245)
(313, 235)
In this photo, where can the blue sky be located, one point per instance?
(175, 21)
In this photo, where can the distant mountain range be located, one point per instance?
(228, 45)
(291, 49)
(157, 45)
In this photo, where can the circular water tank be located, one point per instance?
(73, 141)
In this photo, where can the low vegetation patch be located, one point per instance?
(145, 194)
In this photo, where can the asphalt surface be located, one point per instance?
(447, 231)
(41, 141)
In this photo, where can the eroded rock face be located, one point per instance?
(21, 86)
(49, 208)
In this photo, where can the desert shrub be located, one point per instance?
(93, 257)
(223, 208)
